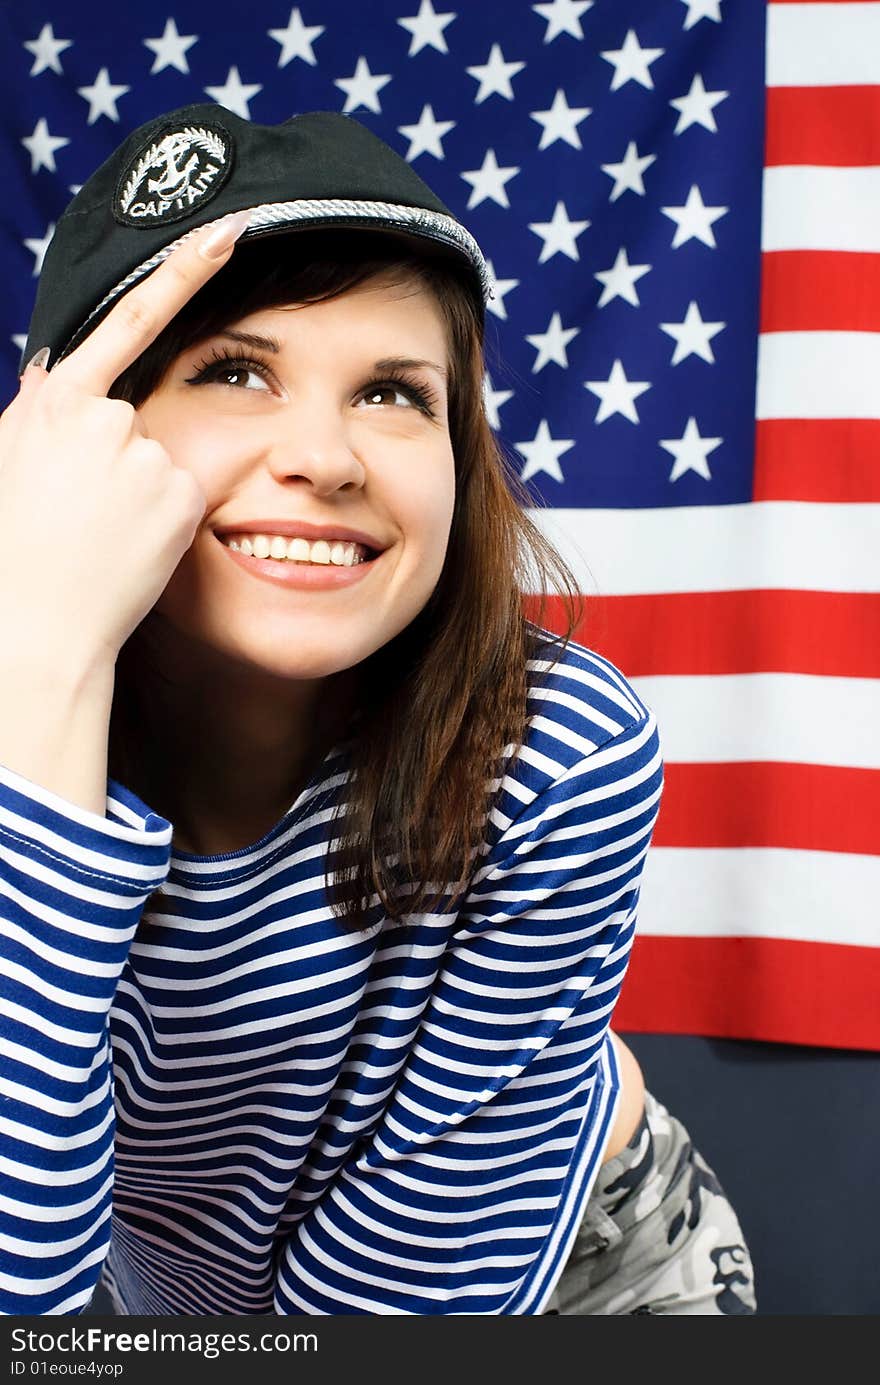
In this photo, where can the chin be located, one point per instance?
(286, 646)
(291, 661)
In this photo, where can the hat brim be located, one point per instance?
(415, 224)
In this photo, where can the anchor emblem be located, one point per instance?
(173, 175)
(174, 180)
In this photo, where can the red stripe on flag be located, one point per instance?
(781, 631)
(826, 126)
(770, 804)
(836, 460)
(820, 291)
(779, 991)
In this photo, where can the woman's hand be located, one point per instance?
(95, 515)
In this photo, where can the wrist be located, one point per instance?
(42, 660)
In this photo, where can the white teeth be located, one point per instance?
(298, 550)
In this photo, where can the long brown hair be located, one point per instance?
(442, 707)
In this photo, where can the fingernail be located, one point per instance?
(41, 358)
(224, 234)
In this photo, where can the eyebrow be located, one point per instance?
(392, 363)
(387, 363)
(252, 339)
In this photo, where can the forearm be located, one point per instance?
(54, 722)
(72, 889)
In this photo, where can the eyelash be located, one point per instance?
(422, 396)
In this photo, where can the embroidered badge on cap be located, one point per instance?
(178, 171)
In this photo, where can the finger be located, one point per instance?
(39, 360)
(139, 317)
(31, 380)
(32, 377)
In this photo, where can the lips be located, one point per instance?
(310, 577)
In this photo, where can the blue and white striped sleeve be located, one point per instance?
(465, 1200)
(72, 889)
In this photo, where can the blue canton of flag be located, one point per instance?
(606, 157)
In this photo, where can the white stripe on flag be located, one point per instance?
(797, 718)
(819, 374)
(768, 544)
(767, 892)
(823, 45)
(808, 208)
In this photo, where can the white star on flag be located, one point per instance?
(493, 400)
(692, 337)
(551, 344)
(38, 248)
(41, 146)
(561, 121)
(489, 181)
(296, 40)
(171, 49)
(627, 174)
(690, 451)
(701, 9)
(19, 340)
(494, 75)
(559, 235)
(426, 29)
(694, 220)
(631, 62)
(543, 453)
(235, 95)
(696, 108)
(425, 137)
(617, 394)
(363, 88)
(563, 17)
(620, 280)
(500, 288)
(102, 96)
(46, 49)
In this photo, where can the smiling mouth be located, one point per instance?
(299, 551)
(306, 576)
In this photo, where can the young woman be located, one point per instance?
(320, 862)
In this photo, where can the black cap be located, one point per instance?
(194, 165)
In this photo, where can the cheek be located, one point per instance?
(195, 444)
(427, 501)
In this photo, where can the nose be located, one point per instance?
(309, 440)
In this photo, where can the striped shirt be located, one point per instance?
(242, 1106)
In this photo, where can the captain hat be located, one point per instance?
(192, 166)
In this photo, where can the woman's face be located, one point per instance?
(338, 417)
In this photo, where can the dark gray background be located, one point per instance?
(793, 1135)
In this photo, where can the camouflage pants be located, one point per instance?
(658, 1234)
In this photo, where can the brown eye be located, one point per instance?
(241, 377)
(386, 394)
(233, 371)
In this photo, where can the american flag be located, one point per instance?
(680, 200)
